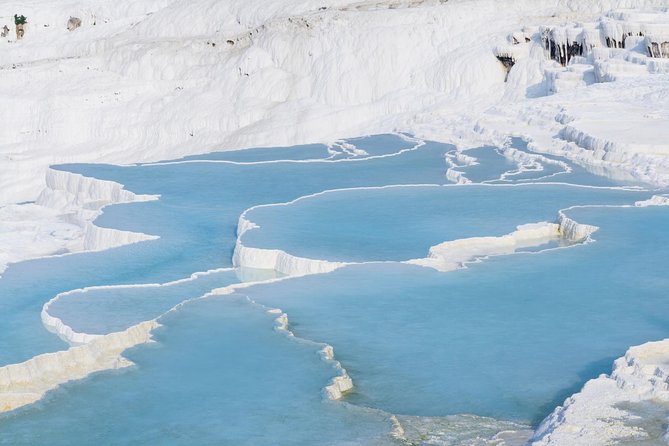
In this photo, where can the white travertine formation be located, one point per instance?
(655, 200)
(341, 383)
(124, 89)
(275, 259)
(86, 197)
(574, 231)
(452, 255)
(246, 257)
(457, 159)
(60, 221)
(595, 415)
(27, 382)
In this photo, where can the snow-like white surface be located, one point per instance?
(452, 255)
(60, 221)
(275, 259)
(618, 129)
(598, 414)
(607, 109)
(655, 200)
(27, 382)
(159, 79)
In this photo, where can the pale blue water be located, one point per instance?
(509, 337)
(403, 223)
(26, 286)
(555, 173)
(196, 219)
(378, 145)
(374, 146)
(218, 374)
(490, 165)
(107, 310)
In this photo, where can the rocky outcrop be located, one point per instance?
(617, 30)
(506, 57)
(658, 47)
(27, 382)
(599, 413)
(73, 23)
(563, 43)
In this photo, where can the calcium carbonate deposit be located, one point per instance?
(388, 222)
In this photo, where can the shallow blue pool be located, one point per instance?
(196, 220)
(402, 223)
(218, 374)
(110, 309)
(490, 165)
(508, 338)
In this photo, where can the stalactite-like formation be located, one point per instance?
(656, 48)
(562, 44)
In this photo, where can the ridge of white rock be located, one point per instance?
(60, 221)
(27, 382)
(444, 257)
(655, 200)
(134, 83)
(455, 254)
(72, 337)
(607, 108)
(573, 230)
(72, 189)
(342, 382)
(602, 412)
(530, 162)
(275, 259)
(281, 261)
(62, 330)
(456, 159)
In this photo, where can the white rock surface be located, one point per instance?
(27, 382)
(655, 200)
(275, 259)
(452, 255)
(157, 79)
(60, 221)
(597, 415)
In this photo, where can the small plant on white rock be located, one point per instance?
(20, 21)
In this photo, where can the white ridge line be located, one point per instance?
(329, 160)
